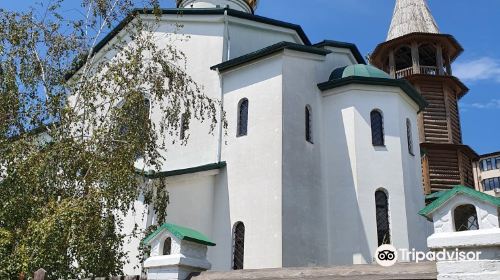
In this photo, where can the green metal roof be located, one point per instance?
(191, 170)
(374, 81)
(435, 195)
(358, 70)
(182, 233)
(445, 196)
(343, 45)
(241, 60)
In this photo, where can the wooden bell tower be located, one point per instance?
(417, 52)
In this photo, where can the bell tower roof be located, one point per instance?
(411, 16)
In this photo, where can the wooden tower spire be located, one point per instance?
(417, 52)
(411, 16)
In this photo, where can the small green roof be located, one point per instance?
(444, 196)
(435, 195)
(358, 70)
(182, 233)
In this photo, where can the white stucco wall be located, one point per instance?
(304, 208)
(239, 5)
(302, 204)
(354, 170)
(255, 199)
(443, 217)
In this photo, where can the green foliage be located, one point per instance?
(70, 149)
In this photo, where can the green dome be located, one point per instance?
(358, 70)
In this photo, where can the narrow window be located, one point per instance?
(382, 213)
(465, 217)
(409, 137)
(489, 165)
(243, 117)
(498, 162)
(377, 123)
(238, 245)
(167, 247)
(309, 131)
(184, 125)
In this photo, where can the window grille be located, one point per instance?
(238, 246)
(377, 124)
(308, 120)
(382, 214)
(465, 217)
(243, 117)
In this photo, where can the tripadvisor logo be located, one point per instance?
(387, 255)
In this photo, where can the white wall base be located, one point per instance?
(173, 267)
(469, 270)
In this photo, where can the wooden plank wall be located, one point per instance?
(435, 119)
(444, 169)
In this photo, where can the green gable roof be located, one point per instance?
(164, 174)
(445, 196)
(374, 81)
(342, 45)
(241, 60)
(182, 233)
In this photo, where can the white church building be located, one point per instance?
(321, 162)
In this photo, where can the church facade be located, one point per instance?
(320, 162)
(326, 156)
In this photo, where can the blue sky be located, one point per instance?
(475, 24)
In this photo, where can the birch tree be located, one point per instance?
(73, 126)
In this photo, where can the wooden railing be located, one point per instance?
(404, 72)
(425, 70)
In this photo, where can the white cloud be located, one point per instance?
(492, 104)
(484, 68)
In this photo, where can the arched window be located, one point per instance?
(409, 137)
(167, 247)
(243, 117)
(465, 217)
(184, 125)
(377, 123)
(238, 245)
(309, 132)
(402, 57)
(382, 213)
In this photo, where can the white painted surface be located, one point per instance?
(302, 204)
(484, 242)
(353, 170)
(240, 5)
(443, 218)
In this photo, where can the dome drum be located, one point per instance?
(248, 6)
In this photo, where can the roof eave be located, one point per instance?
(266, 52)
(444, 198)
(187, 11)
(344, 45)
(402, 84)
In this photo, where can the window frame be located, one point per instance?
(387, 237)
(309, 124)
(241, 248)
(409, 137)
(380, 126)
(458, 228)
(240, 132)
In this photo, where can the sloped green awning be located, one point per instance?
(182, 233)
(444, 196)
